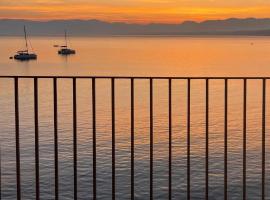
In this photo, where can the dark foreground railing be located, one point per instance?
(151, 134)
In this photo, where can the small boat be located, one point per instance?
(64, 49)
(24, 55)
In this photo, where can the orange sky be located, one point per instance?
(138, 11)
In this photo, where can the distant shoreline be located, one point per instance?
(96, 28)
(150, 35)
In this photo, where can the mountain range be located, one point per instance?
(232, 26)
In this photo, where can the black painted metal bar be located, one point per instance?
(113, 136)
(75, 139)
(0, 172)
(132, 140)
(207, 140)
(263, 137)
(188, 138)
(244, 139)
(170, 139)
(17, 136)
(56, 168)
(94, 138)
(36, 138)
(226, 140)
(151, 140)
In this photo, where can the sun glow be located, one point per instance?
(139, 11)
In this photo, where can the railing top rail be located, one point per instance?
(138, 77)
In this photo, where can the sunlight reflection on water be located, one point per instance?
(116, 56)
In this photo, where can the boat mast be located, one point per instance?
(25, 37)
(66, 37)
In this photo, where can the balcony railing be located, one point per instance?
(149, 84)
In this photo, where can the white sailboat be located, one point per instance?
(24, 54)
(64, 49)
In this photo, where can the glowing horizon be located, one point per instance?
(131, 11)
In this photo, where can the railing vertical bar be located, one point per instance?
(75, 137)
(94, 138)
(188, 137)
(244, 138)
(132, 139)
(36, 138)
(170, 139)
(151, 139)
(226, 140)
(56, 172)
(263, 137)
(17, 136)
(0, 171)
(113, 136)
(207, 140)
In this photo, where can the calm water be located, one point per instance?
(149, 56)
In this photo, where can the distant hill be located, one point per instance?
(232, 26)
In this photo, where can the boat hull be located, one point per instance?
(25, 57)
(66, 52)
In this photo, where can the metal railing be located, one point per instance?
(151, 134)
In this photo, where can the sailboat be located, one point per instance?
(64, 49)
(24, 54)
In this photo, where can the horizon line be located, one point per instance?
(134, 23)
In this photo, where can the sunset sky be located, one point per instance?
(134, 11)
